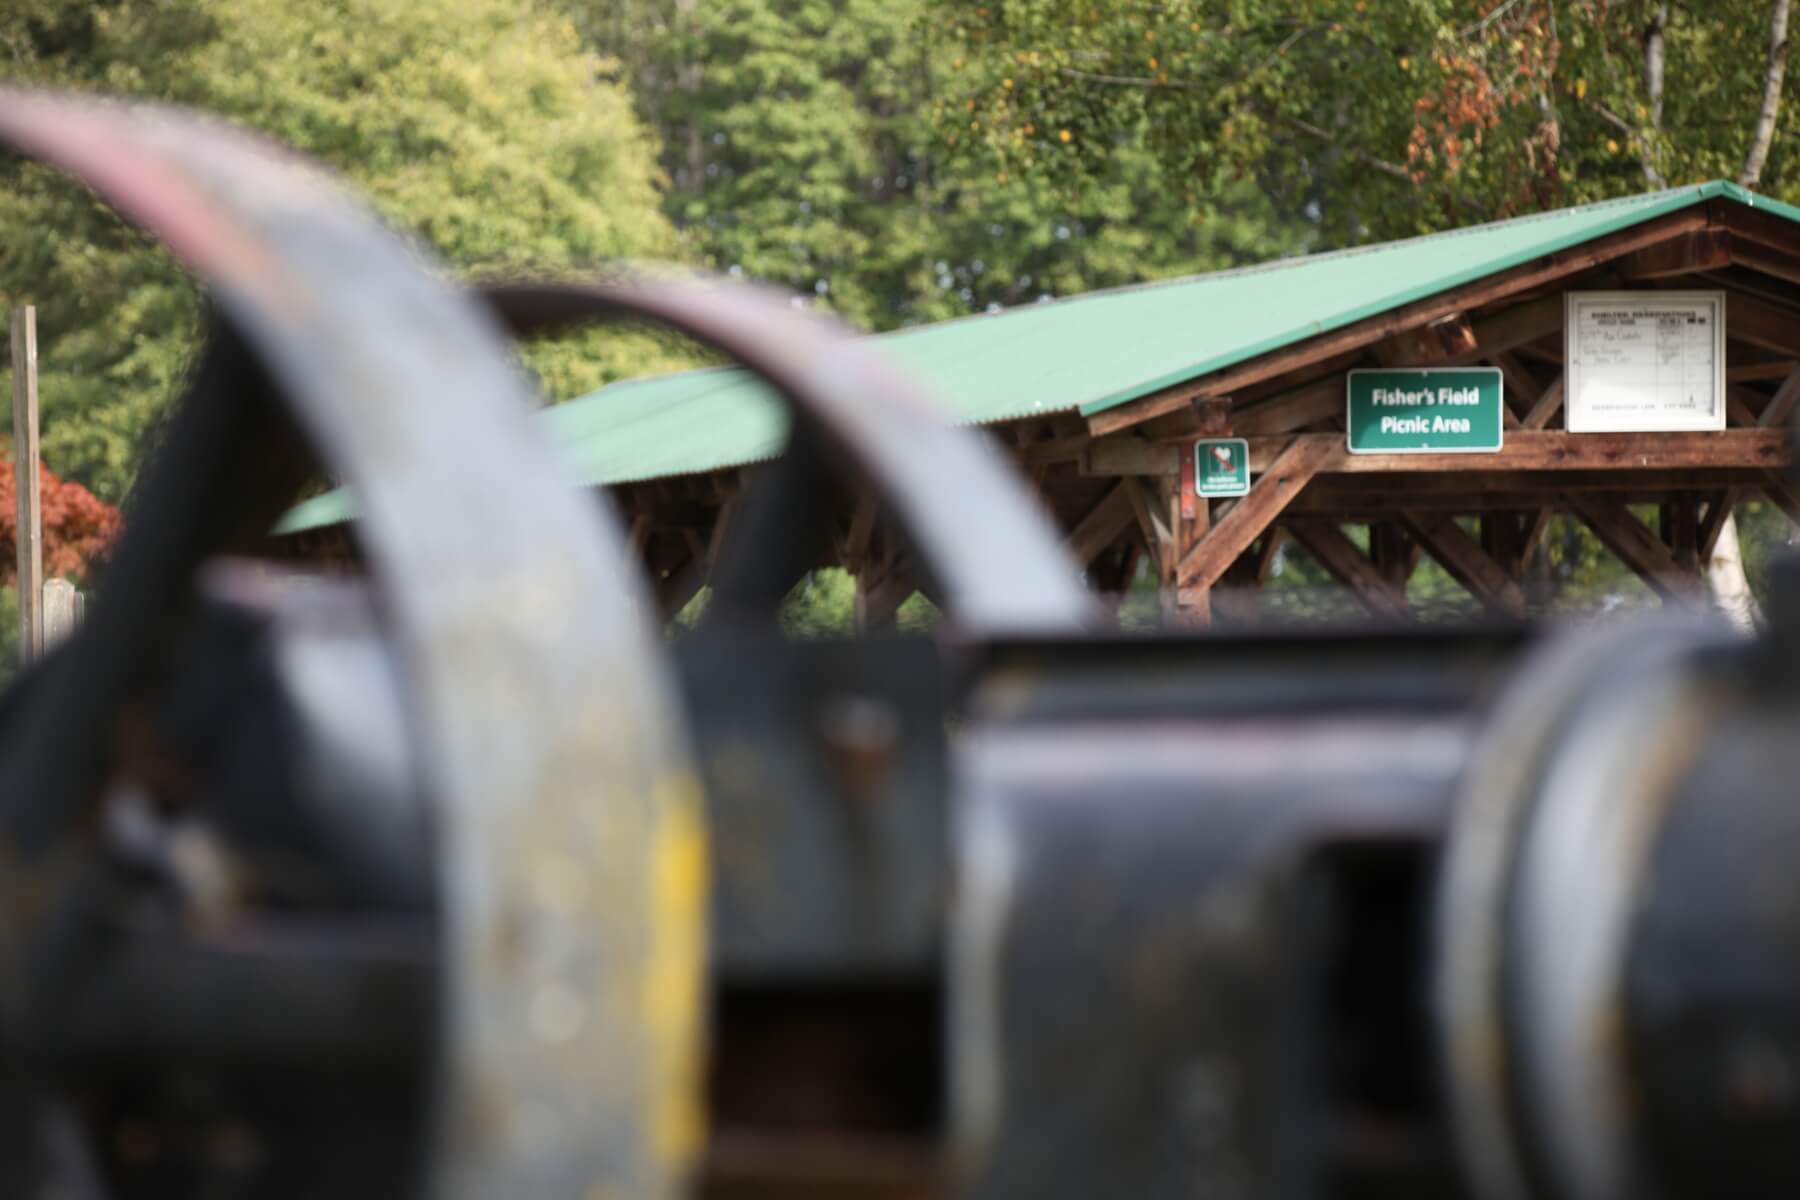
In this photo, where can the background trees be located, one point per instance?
(1381, 120)
(1378, 120)
(484, 125)
(898, 161)
(802, 142)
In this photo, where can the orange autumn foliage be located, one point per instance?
(77, 525)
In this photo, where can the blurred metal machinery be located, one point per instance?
(460, 880)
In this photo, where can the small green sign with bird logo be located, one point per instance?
(1221, 467)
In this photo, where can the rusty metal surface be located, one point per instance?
(999, 562)
(1475, 968)
(569, 835)
(1713, 980)
(825, 799)
(1139, 860)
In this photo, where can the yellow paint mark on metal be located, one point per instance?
(673, 984)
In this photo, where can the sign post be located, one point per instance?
(1222, 467)
(1434, 410)
(28, 534)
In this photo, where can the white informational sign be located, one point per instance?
(1642, 361)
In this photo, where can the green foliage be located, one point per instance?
(822, 605)
(798, 141)
(1376, 119)
(481, 124)
(1379, 119)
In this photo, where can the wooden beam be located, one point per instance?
(1555, 450)
(640, 530)
(1739, 412)
(1284, 480)
(678, 588)
(1680, 520)
(1326, 542)
(1536, 525)
(1255, 393)
(1193, 596)
(1761, 324)
(1766, 261)
(1517, 326)
(1780, 410)
(862, 528)
(1523, 391)
(1636, 547)
(1760, 371)
(1719, 505)
(1055, 450)
(1526, 449)
(1751, 227)
(1262, 559)
(1439, 342)
(1317, 401)
(1157, 534)
(721, 526)
(1706, 250)
(1473, 480)
(1461, 556)
(1110, 516)
(1545, 408)
(1126, 455)
(1782, 496)
(1523, 278)
(1501, 541)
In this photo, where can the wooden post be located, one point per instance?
(62, 611)
(29, 532)
(1193, 604)
(1679, 521)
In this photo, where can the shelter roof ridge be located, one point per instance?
(1085, 353)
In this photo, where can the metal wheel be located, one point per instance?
(556, 938)
(995, 561)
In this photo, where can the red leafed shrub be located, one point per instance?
(77, 525)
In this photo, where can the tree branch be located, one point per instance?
(1751, 175)
(1368, 160)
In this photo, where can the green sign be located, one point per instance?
(1425, 410)
(1221, 467)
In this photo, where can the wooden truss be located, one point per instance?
(1120, 483)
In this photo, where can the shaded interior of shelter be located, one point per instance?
(1327, 535)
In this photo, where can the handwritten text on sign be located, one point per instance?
(1642, 361)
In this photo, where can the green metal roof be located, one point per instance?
(1088, 353)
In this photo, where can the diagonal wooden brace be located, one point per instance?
(1467, 563)
(1292, 469)
(1350, 567)
(1637, 547)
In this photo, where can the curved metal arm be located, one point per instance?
(570, 856)
(999, 562)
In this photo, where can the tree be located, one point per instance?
(483, 125)
(797, 139)
(77, 526)
(1384, 119)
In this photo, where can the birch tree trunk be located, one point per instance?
(1653, 89)
(1725, 570)
(1725, 579)
(1771, 103)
